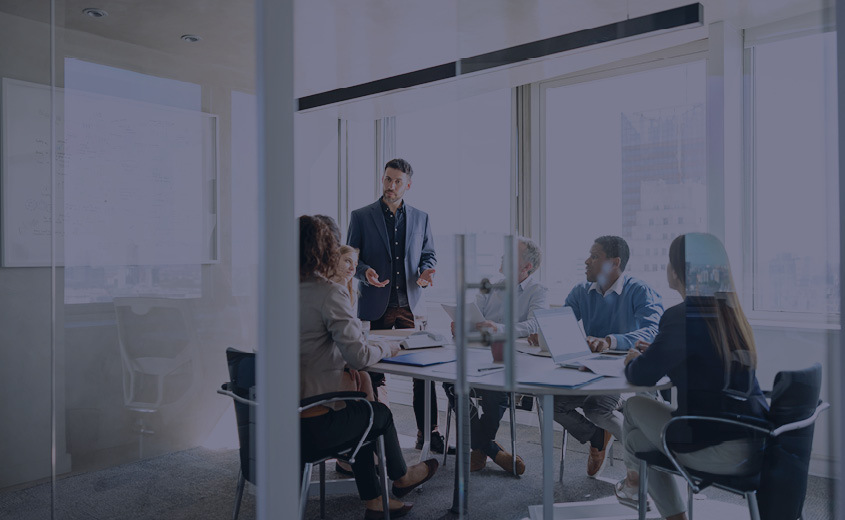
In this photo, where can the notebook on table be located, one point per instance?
(423, 358)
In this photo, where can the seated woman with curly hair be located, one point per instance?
(331, 339)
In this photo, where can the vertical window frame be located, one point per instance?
(778, 31)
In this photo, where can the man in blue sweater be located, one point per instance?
(617, 311)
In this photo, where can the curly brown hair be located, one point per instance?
(318, 247)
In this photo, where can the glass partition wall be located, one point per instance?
(28, 435)
(130, 252)
(129, 246)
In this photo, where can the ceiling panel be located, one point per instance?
(339, 43)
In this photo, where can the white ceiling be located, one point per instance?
(340, 43)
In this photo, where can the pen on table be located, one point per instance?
(488, 368)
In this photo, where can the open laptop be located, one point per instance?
(560, 333)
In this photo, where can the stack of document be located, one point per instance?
(415, 341)
(606, 365)
(560, 377)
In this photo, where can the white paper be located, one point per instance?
(605, 365)
(559, 377)
(420, 341)
(480, 370)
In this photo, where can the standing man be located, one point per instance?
(396, 262)
(617, 312)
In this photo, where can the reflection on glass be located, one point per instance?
(624, 156)
(461, 157)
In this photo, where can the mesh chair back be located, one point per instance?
(783, 482)
(159, 352)
(241, 381)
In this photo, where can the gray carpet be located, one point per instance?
(192, 484)
(200, 483)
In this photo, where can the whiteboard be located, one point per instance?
(132, 183)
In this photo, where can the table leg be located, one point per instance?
(548, 458)
(426, 449)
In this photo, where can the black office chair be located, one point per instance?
(310, 458)
(777, 488)
(241, 388)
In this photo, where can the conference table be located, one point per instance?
(526, 366)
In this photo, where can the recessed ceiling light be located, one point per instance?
(93, 12)
(190, 38)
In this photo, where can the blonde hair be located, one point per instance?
(347, 249)
(352, 284)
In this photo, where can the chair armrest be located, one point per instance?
(746, 420)
(225, 390)
(756, 428)
(323, 399)
(752, 424)
(797, 425)
(331, 396)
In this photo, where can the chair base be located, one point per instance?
(239, 494)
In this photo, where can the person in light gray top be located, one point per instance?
(530, 296)
(330, 339)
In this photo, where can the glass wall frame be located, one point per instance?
(816, 193)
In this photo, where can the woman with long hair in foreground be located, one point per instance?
(706, 347)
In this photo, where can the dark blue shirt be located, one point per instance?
(684, 350)
(395, 224)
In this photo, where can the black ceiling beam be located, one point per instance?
(641, 25)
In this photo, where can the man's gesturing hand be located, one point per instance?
(372, 278)
(425, 278)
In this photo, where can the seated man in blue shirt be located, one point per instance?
(616, 311)
(530, 296)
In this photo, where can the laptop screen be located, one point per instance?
(560, 333)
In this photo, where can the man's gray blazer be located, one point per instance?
(368, 233)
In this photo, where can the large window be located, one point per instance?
(793, 168)
(625, 156)
(461, 157)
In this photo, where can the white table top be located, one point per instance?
(525, 366)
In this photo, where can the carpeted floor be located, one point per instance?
(200, 483)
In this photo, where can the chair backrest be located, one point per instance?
(158, 343)
(241, 381)
(783, 482)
